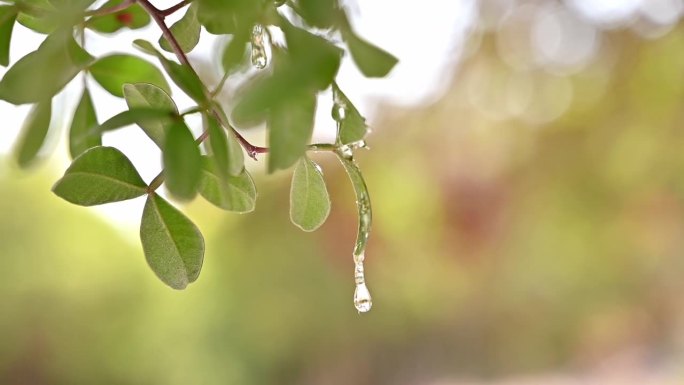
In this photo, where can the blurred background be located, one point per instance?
(527, 176)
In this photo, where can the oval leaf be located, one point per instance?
(235, 193)
(182, 162)
(290, 128)
(147, 95)
(173, 246)
(45, 71)
(8, 15)
(100, 175)
(353, 126)
(186, 30)
(113, 71)
(226, 150)
(136, 116)
(133, 17)
(82, 135)
(33, 133)
(309, 199)
(373, 61)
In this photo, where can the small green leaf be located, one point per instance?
(312, 59)
(173, 246)
(184, 76)
(222, 17)
(8, 15)
(318, 13)
(373, 61)
(226, 150)
(186, 30)
(81, 133)
(290, 127)
(235, 52)
(182, 162)
(235, 193)
(353, 126)
(136, 116)
(142, 95)
(309, 199)
(33, 133)
(133, 17)
(44, 72)
(113, 71)
(100, 175)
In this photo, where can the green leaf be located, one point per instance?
(318, 13)
(33, 133)
(113, 71)
(235, 52)
(309, 199)
(81, 133)
(141, 95)
(182, 162)
(137, 116)
(290, 127)
(100, 175)
(133, 17)
(234, 193)
(373, 61)
(47, 16)
(222, 17)
(353, 126)
(44, 72)
(173, 246)
(312, 59)
(226, 150)
(7, 17)
(186, 30)
(184, 76)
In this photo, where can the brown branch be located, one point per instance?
(158, 18)
(172, 9)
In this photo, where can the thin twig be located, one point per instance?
(109, 10)
(172, 9)
(158, 18)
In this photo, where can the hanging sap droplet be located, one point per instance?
(362, 298)
(339, 111)
(259, 58)
(278, 3)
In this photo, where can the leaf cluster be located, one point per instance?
(283, 96)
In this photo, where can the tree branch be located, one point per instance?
(158, 18)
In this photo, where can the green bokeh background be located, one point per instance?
(501, 249)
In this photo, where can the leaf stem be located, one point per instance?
(111, 9)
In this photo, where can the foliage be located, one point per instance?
(283, 96)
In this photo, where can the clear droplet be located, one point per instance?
(278, 3)
(346, 151)
(339, 111)
(259, 58)
(362, 298)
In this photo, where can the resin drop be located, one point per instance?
(259, 58)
